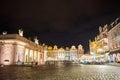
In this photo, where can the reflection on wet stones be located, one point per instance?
(73, 72)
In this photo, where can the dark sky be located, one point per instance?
(60, 22)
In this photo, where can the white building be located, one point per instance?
(73, 53)
(18, 49)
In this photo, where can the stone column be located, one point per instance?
(28, 55)
(37, 56)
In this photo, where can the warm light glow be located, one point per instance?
(31, 55)
(100, 49)
(92, 53)
(26, 55)
(35, 55)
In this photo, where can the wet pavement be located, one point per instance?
(72, 72)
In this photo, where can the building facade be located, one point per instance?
(100, 44)
(68, 54)
(114, 43)
(15, 49)
(107, 43)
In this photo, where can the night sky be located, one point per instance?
(58, 22)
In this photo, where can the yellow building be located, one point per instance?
(55, 52)
(100, 44)
(49, 53)
(61, 54)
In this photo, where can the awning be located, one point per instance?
(116, 51)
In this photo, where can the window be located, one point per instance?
(6, 60)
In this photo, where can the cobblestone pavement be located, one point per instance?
(73, 72)
(114, 64)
